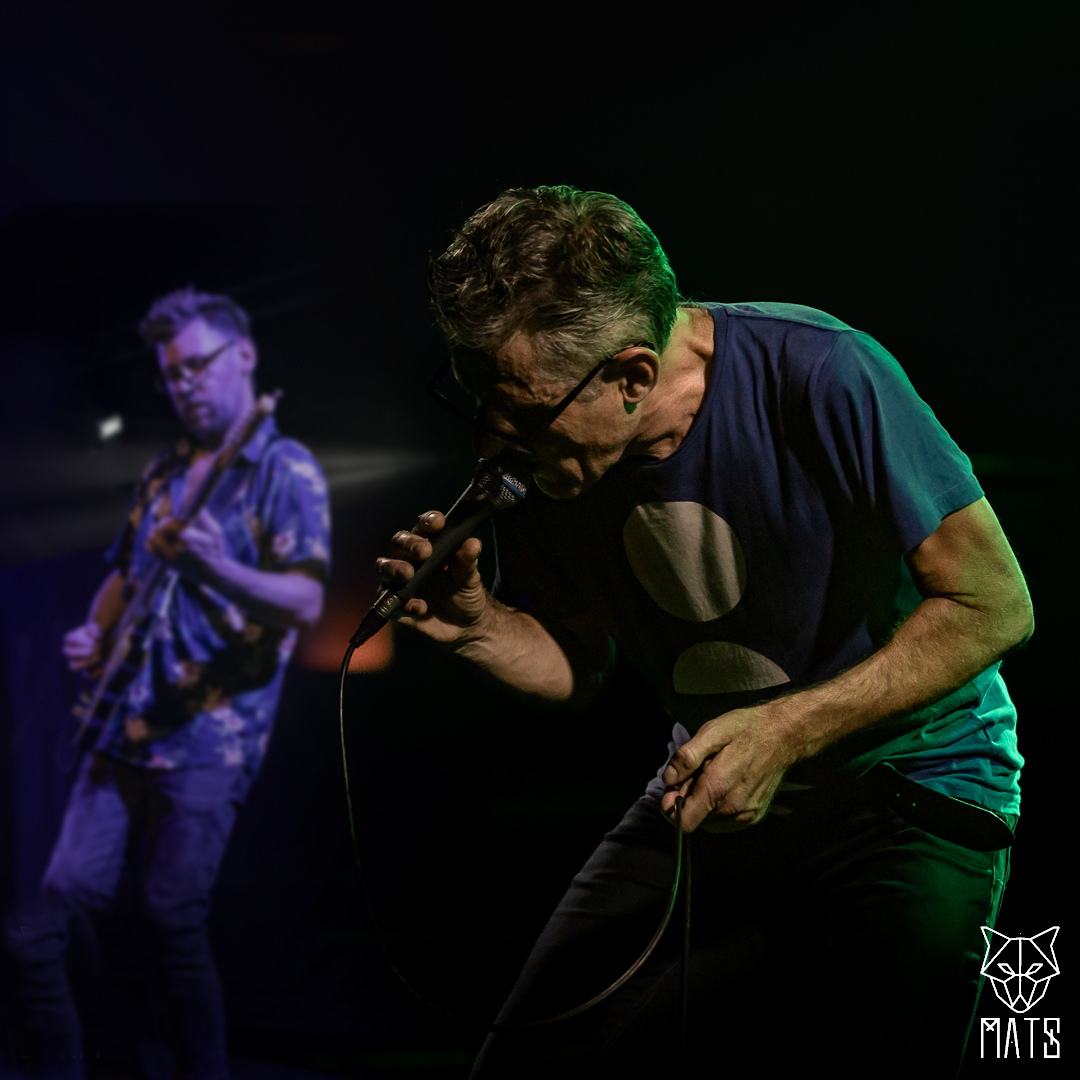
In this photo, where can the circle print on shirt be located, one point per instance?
(722, 667)
(690, 562)
(687, 558)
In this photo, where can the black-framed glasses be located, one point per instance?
(438, 383)
(191, 367)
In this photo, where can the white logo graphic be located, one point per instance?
(1020, 968)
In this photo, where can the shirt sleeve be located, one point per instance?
(887, 450)
(296, 515)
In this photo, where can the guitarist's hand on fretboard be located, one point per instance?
(83, 647)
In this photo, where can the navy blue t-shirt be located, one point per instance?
(766, 552)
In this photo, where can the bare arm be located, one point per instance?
(290, 598)
(509, 644)
(108, 604)
(975, 609)
(287, 598)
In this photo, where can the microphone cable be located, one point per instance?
(682, 846)
(492, 488)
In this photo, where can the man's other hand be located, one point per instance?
(730, 770)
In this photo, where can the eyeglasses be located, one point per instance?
(191, 367)
(438, 387)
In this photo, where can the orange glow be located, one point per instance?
(323, 648)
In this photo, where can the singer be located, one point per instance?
(751, 500)
(161, 785)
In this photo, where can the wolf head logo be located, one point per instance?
(1020, 967)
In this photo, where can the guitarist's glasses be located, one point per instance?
(191, 367)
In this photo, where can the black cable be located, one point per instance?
(685, 995)
(518, 1025)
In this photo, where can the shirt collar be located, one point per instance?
(258, 442)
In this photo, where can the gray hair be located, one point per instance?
(577, 272)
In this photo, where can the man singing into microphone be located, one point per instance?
(164, 780)
(751, 500)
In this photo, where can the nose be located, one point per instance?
(509, 450)
(486, 440)
(182, 382)
(184, 394)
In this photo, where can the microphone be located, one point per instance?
(491, 489)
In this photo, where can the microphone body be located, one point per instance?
(491, 490)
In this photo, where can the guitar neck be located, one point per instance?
(139, 605)
(241, 435)
(127, 654)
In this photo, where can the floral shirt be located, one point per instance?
(208, 691)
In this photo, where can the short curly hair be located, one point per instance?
(168, 315)
(578, 272)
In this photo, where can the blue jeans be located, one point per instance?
(837, 936)
(170, 828)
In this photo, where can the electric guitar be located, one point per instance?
(150, 598)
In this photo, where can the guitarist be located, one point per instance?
(169, 769)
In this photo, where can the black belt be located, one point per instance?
(955, 820)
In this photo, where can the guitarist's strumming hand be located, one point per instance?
(289, 598)
(196, 550)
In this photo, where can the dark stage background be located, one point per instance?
(906, 167)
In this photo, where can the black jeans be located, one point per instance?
(838, 936)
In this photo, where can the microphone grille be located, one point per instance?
(512, 489)
(501, 487)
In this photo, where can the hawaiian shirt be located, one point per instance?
(208, 690)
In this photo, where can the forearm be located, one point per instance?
(290, 599)
(975, 609)
(109, 603)
(517, 650)
(940, 647)
(743, 754)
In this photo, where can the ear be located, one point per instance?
(639, 372)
